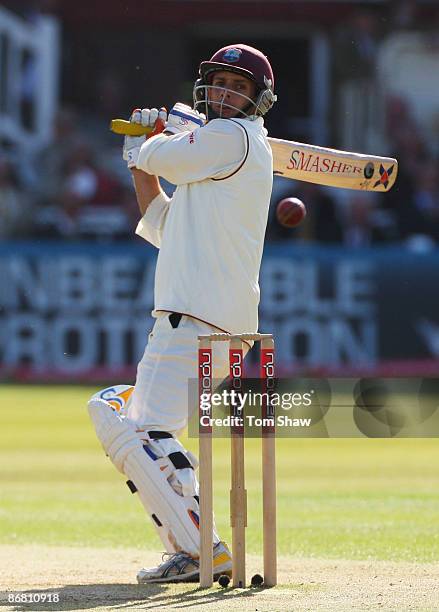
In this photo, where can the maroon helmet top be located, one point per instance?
(241, 59)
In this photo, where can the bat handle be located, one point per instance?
(120, 126)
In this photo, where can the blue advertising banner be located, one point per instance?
(82, 311)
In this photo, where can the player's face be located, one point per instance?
(230, 90)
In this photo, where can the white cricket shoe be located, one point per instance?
(181, 567)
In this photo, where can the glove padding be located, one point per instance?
(182, 118)
(149, 118)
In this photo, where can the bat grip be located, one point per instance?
(126, 128)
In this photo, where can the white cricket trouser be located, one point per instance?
(160, 397)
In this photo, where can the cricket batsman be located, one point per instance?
(210, 237)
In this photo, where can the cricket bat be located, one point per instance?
(312, 164)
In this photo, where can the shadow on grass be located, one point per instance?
(120, 596)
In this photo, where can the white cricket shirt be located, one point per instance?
(211, 232)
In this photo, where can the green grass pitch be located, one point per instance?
(351, 498)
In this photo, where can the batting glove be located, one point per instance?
(182, 118)
(152, 118)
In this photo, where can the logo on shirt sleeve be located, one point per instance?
(191, 138)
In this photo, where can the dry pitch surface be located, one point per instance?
(102, 579)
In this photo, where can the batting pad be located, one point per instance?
(170, 498)
(118, 396)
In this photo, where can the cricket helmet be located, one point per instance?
(246, 61)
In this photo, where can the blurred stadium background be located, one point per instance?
(352, 290)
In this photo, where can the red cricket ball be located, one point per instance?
(290, 212)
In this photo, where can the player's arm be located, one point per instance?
(147, 186)
(181, 119)
(193, 153)
(153, 202)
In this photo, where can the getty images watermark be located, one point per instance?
(239, 403)
(318, 407)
